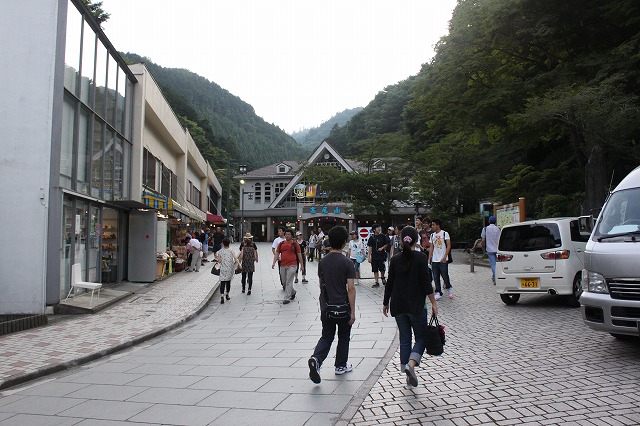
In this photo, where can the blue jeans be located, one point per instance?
(328, 333)
(492, 261)
(439, 268)
(407, 323)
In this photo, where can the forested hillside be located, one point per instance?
(524, 98)
(311, 138)
(221, 124)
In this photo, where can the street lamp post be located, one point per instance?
(250, 193)
(243, 169)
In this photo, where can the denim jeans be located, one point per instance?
(328, 333)
(492, 261)
(406, 324)
(439, 268)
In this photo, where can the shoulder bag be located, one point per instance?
(215, 269)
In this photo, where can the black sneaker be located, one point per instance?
(384, 281)
(295, 281)
(294, 295)
(285, 302)
(376, 285)
(314, 370)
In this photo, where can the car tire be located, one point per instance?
(574, 299)
(625, 337)
(510, 299)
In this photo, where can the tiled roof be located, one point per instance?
(272, 170)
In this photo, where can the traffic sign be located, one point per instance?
(364, 233)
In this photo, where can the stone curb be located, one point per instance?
(97, 355)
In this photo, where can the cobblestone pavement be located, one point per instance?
(534, 363)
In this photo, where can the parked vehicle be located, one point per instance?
(541, 257)
(611, 276)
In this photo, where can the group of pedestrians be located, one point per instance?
(244, 262)
(198, 247)
(407, 290)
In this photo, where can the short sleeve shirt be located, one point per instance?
(375, 242)
(288, 253)
(336, 269)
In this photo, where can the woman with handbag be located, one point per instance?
(228, 261)
(407, 288)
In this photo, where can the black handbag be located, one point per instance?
(238, 270)
(215, 270)
(336, 311)
(435, 338)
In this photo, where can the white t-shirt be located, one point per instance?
(356, 247)
(439, 245)
(277, 241)
(491, 236)
(195, 244)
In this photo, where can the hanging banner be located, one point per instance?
(311, 191)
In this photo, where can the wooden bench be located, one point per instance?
(76, 283)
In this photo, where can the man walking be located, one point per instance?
(336, 273)
(490, 237)
(438, 255)
(290, 257)
(378, 244)
(196, 247)
(217, 238)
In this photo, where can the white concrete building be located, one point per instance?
(86, 142)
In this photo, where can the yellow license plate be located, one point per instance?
(529, 283)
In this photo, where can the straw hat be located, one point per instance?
(248, 236)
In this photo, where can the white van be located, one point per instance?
(544, 256)
(611, 277)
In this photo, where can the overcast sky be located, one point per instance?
(297, 62)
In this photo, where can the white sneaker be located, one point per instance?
(437, 295)
(346, 369)
(450, 291)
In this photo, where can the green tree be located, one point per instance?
(98, 13)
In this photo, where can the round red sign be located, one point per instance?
(364, 233)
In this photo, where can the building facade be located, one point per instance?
(87, 142)
(280, 195)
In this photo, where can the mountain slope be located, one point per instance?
(311, 138)
(229, 123)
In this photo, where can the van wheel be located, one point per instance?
(574, 299)
(510, 299)
(623, 336)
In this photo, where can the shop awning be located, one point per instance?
(215, 219)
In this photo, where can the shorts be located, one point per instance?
(356, 265)
(378, 265)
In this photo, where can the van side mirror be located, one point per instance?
(585, 224)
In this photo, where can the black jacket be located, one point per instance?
(408, 284)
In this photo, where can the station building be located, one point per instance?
(281, 195)
(96, 168)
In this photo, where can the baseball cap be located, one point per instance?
(390, 228)
(492, 219)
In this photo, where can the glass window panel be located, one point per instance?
(101, 79)
(72, 48)
(80, 232)
(165, 187)
(109, 148)
(149, 170)
(127, 110)
(126, 168)
(120, 100)
(88, 64)
(84, 148)
(174, 186)
(118, 157)
(66, 151)
(93, 243)
(96, 158)
(112, 80)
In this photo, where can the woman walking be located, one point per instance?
(405, 295)
(228, 261)
(303, 250)
(248, 259)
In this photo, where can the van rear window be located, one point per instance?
(540, 236)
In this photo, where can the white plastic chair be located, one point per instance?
(76, 274)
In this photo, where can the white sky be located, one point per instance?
(297, 62)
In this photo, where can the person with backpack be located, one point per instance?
(290, 255)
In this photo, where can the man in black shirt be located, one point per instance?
(337, 274)
(378, 244)
(217, 238)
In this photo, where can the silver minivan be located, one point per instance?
(610, 301)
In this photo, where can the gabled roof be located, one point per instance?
(272, 171)
(323, 148)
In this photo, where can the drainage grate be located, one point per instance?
(146, 300)
(14, 323)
